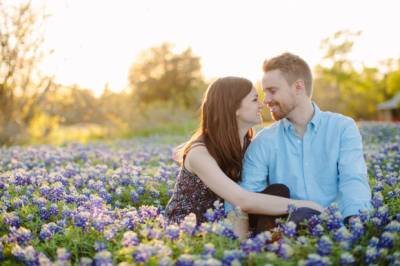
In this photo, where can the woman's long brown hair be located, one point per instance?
(218, 125)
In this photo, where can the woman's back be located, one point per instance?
(190, 195)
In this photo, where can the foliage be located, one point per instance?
(103, 203)
(161, 75)
(22, 86)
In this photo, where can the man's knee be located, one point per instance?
(280, 190)
(302, 214)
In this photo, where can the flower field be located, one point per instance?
(102, 204)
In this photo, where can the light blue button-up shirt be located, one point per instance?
(327, 165)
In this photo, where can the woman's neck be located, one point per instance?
(242, 135)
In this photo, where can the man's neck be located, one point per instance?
(301, 116)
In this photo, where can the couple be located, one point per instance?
(308, 158)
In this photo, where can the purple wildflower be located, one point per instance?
(63, 255)
(11, 219)
(81, 219)
(377, 200)
(289, 229)
(23, 235)
(103, 258)
(393, 226)
(172, 232)
(130, 239)
(371, 255)
(185, 260)
(285, 251)
(317, 260)
(209, 250)
(134, 196)
(324, 246)
(386, 240)
(251, 246)
(142, 253)
(231, 256)
(317, 230)
(347, 258)
(188, 225)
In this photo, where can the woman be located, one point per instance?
(212, 159)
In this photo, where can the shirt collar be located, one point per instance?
(314, 122)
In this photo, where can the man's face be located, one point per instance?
(280, 97)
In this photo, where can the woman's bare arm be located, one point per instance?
(201, 163)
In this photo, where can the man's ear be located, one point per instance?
(300, 86)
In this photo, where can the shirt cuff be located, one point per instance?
(354, 209)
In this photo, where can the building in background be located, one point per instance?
(390, 110)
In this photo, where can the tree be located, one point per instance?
(160, 75)
(22, 86)
(342, 88)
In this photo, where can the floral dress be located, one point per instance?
(190, 195)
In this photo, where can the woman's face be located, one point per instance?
(248, 115)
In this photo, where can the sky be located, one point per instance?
(96, 41)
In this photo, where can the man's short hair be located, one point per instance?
(292, 67)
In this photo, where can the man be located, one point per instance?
(317, 155)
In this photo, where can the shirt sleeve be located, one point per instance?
(255, 168)
(354, 190)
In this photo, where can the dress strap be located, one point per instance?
(194, 144)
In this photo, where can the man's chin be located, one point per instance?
(276, 117)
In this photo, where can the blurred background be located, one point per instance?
(84, 70)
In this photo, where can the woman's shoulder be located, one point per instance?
(197, 154)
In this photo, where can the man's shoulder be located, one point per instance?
(270, 131)
(335, 119)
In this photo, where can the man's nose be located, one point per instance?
(267, 99)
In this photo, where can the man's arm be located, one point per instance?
(354, 191)
(255, 168)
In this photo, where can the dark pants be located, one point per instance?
(259, 223)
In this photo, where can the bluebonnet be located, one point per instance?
(342, 234)
(103, 258)
(371, 255)
(373, 242)
(288, 228)
(53, 209)
(63, 255)
(134, 196)
(357, 229)
(44, 214)
(285, 250)
(229, 256)
(317, 260)
(250, 246)
(347, 258)
(172, 232)
(188, 225)
(99, 246)
(142, 253)
(393, 226)
(382, 213)
(377, 199)
(209, 250)
(386, 240)
(11, 219)
(317, 231)
(81, 219)
(17, 203)
(324, 246)
(23, 235)
(185, 260)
